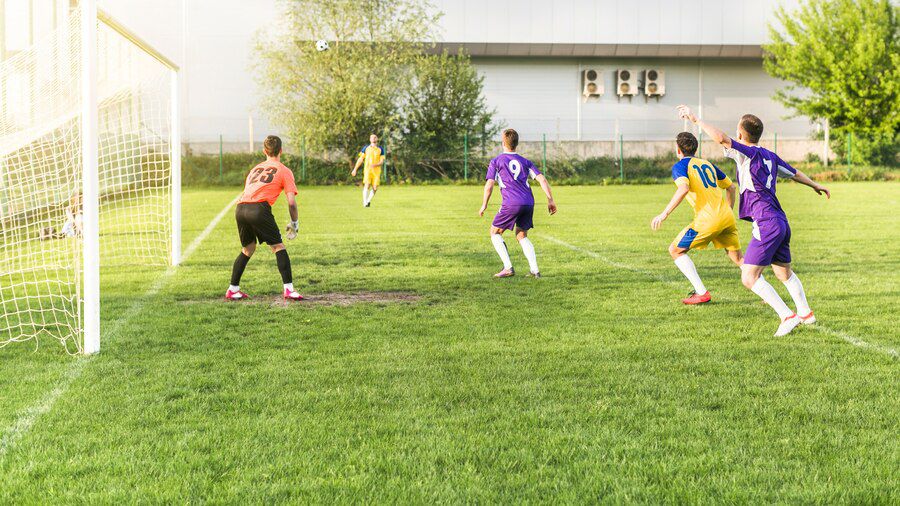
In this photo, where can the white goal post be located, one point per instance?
(90, 174)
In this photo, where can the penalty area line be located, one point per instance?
(855, 341)
(29, 416)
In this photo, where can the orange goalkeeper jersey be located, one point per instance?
(266, 181)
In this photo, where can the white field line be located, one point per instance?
(855, 341)
(607, 260)
(208, 230)
(30, 415)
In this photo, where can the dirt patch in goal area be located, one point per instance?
(338, 299)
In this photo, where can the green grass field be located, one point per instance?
(593, 384)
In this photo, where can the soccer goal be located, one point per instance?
(90, 175)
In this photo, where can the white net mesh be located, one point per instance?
(41, 176)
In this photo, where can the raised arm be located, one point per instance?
(676, 199)
(802, 178)
(545, 185)
(488, 190)
(714, 133)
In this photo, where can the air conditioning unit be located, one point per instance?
(626, 83)
(591, 83)
(655, 83)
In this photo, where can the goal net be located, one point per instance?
(89, 171)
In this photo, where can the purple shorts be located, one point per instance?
(771, 242)
(519, 216)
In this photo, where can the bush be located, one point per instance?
(881, 150)
(203, 170)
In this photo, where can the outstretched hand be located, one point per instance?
(684, 112)
(657, 222)
(821, 190)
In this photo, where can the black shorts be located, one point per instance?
(256, 223)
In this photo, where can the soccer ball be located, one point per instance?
(322, 45)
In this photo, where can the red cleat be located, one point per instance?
(239, 295)
(505, 273)
(292, 295)
(697, 299)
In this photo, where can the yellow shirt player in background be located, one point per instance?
(701, 183)
(373, 157)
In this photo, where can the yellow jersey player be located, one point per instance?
(372, 156)
(701, 183)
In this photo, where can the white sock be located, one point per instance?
(371, 195)
(687, 267)
(365, 195)
(528, 249)
(795, 288)
(234, 288)
(289, 286)
(500, 246)
(768, 294)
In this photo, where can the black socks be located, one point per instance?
(240, 263)
(284, 266)
(281, 257)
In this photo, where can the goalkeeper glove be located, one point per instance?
(291, 230)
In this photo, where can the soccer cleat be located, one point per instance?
(694, 298)
(787, 325)
(368, 204)
(292, 295)
(238, 295)
(506, 273)
(808, 319)
(536, 275)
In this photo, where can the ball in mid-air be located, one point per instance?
(322, 45)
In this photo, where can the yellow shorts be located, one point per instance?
(372, 176)
(725, 236)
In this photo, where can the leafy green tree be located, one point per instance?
(335, 99)
(444, 105)
(843, 57)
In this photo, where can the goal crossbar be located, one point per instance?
(124, 31)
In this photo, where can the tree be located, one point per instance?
(843, 57)
(335, 99)
(444, 106)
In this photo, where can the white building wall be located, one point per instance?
(543, 97)
(714, 22)
(212, 40)
(213, 43)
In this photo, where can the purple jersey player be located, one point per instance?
(511, 171)
(757, 173)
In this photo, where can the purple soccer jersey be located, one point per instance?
(757, 172)
(511, 171)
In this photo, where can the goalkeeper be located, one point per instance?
(255, 221)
